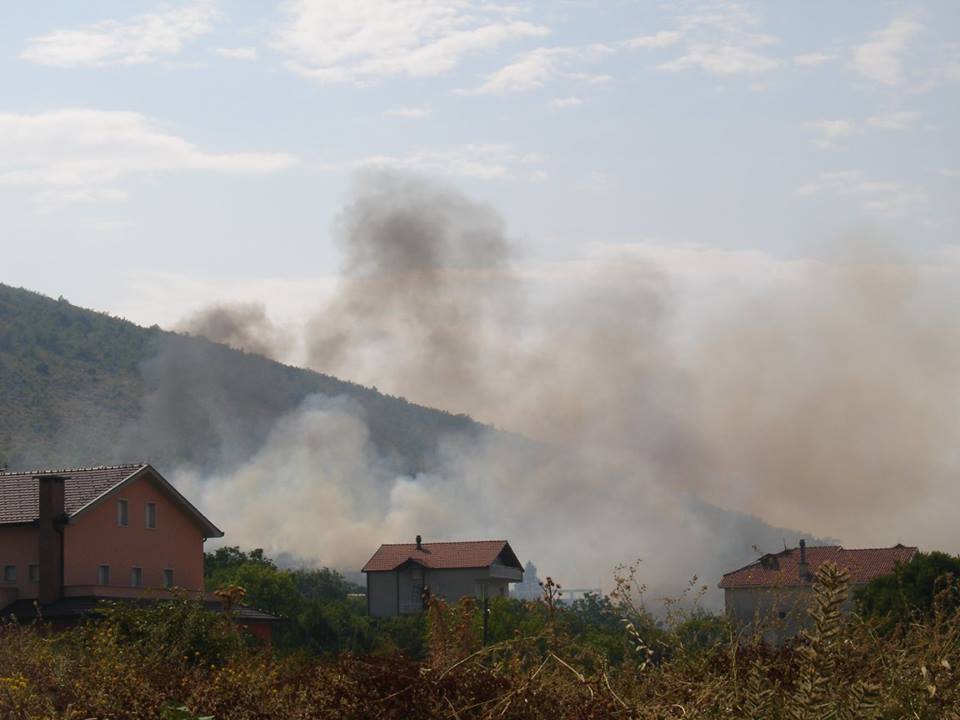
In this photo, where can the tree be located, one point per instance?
(911, 589)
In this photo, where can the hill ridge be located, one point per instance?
(75, 379)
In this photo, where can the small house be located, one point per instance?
(777, 589)
(398, 575)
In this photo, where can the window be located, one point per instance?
(123, 508)
(136, 577)
(168, 578)
(33, 572)
(10, 573)
(103, 575)
(151, 511)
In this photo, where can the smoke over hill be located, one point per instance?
(816, 404)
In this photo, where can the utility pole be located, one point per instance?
(486, 612)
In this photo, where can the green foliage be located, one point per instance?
(133, 664)
(908, 593)
(321, 615)
(181, 627)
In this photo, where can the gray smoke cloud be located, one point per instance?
(426, 282)
(831, 404)
(823, 402)
(242, 326)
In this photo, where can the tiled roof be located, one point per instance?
(782, 569)
(19, 495)
(442, 555)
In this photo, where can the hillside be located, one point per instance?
(80, 387)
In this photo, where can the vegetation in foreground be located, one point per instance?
(174, 660)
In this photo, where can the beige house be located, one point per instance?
(776, 590)
(397, 575)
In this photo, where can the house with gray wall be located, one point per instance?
(398, 574)
(775, 591)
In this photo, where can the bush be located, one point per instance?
(137, 663)
(910, 592)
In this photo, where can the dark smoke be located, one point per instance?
(424, 283)
(243, 326)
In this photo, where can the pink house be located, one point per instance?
(69, 538)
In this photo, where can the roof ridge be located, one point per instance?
(48, 471)
(441, 542)
(889, 547)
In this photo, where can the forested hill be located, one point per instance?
(80, 387)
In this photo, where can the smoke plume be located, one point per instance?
(822, 400)
(243, 326)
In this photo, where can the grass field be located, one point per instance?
(176, 661)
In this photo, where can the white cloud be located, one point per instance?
(140, 39)
(890, 199)
(902, 120)
(948, 172)
(411, 113)
(533, 69)
(363, 40)
(722, 60)
(830, 131)
(565, 102)
(82, 155)
(597, 182)
(484, 162)
(879, 59)
(662, 39)
(238, 53)
(721, 40)
(813, 59)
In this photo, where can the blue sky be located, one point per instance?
(158, 156)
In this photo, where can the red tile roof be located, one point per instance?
(443, 555)
(782, 569)
(19, 492)
(19, 495)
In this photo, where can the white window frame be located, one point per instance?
(136, 577)
(150, 518)
(168, 578)
(123, 512)
(10, 573)
(103, 575)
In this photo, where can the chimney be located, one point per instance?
(51, 521)
(418, 542)
(802, 566)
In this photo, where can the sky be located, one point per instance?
(156, 157)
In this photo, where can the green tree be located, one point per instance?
(911, 589)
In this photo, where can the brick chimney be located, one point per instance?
(803, 567)
(51, 521)
(419, 540)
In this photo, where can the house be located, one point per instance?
(397, 575)
(529, 588)
(70, 538)
(776, 589)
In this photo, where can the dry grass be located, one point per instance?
(127, 667)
